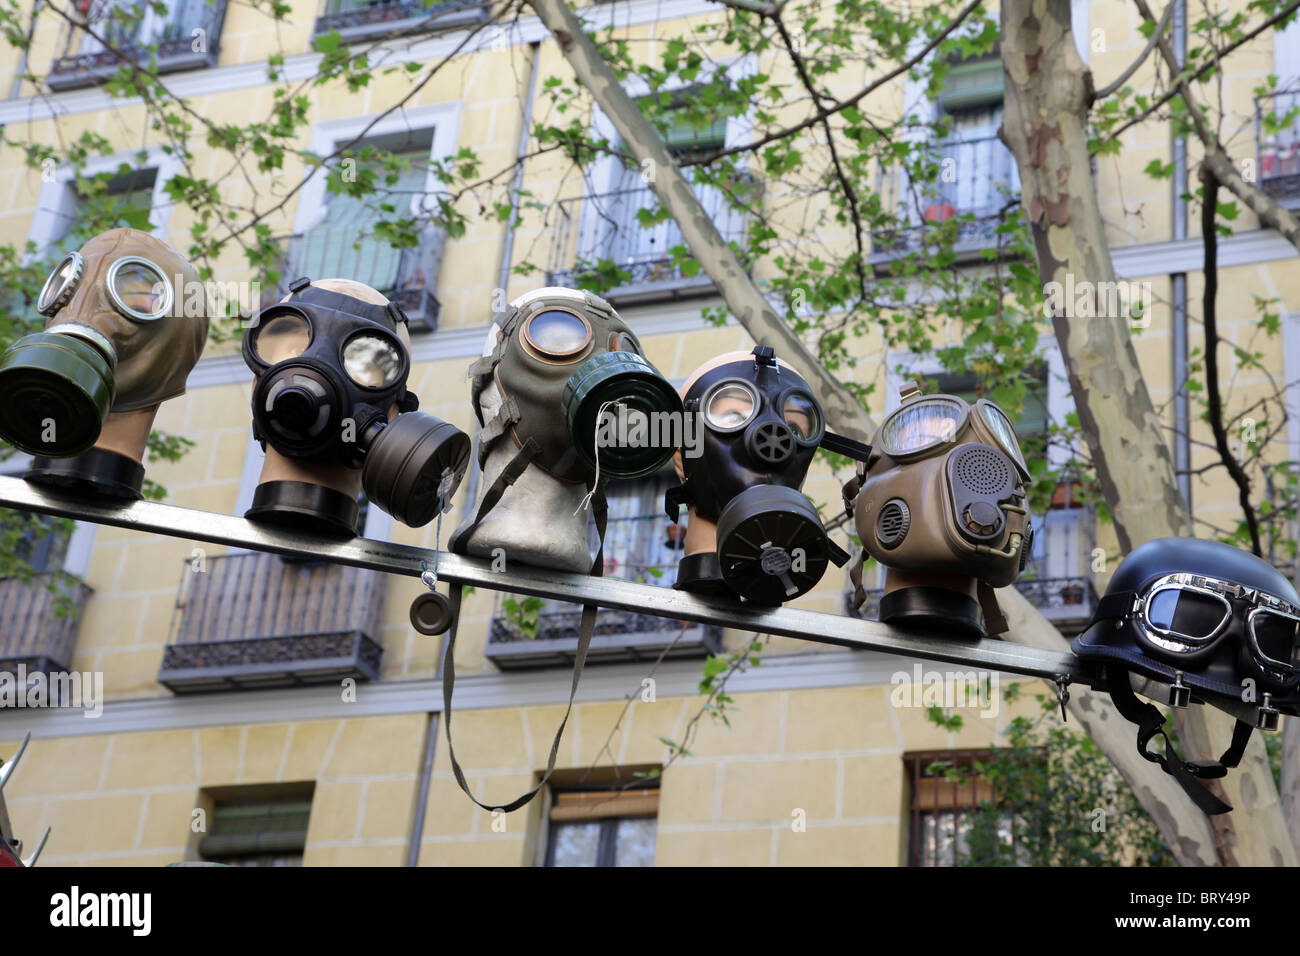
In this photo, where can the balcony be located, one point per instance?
(976, 179)
(257, 620)
(340, 246)
(38, 622)
(186, 37)
(638, 547)
(599, 239)
(1277, 138)
(368, 19)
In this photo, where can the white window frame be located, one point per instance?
(57, 201)
(326, 137)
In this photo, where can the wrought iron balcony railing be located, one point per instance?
(38, 622)
(186, 37)
(640, 547)
(343, 248)
(976, 178)
(361, 19)
(1066, 602)
(258, 620)
(1279, 150)
(600, 237)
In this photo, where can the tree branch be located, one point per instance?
(1210, 233)
(1119, 81)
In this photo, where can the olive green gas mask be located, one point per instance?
(126, 322)
(941, 505)
(563, 367)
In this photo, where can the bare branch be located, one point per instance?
(1120, 80)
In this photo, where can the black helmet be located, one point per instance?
(1217, 624)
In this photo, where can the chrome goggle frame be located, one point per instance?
(1225, 592)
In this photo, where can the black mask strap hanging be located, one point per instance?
(1151, 722)
(586, 628)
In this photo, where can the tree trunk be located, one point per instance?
(1048, 90)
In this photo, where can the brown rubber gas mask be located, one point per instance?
(127, 319)
(941, 504)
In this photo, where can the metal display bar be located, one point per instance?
(816, 626)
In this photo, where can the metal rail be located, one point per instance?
(816, 626)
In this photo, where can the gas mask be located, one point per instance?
(331, 361)
(941, 505)
(750, 531)
(1208, 623)
(126, 321)
(566, 400)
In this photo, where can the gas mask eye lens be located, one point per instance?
(802, 415)
(138, 289)
(922, 425)
(282, 336)
(372, 361)
(557, 334)
(1003, 430)
(62, 282)
(730, 406)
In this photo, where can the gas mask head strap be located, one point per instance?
(302, 291)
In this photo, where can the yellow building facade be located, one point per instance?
(318, 736)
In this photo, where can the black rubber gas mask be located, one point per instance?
(329, 368)
(762, 426)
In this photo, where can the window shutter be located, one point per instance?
(971, 84)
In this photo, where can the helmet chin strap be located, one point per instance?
(1151, 722)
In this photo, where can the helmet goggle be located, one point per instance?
(371, 358)
(1183, 613)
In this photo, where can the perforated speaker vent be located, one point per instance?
(892, 523)
(982, 470)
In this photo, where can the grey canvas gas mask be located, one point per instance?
(751, 532)
(126, 322)
(941, 505)
(331, 369)
(558, 366)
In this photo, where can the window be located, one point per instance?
(947, 793)
(609, 827)
(616, 239)
(169, 35)
(124, 199)
(347, 237)
(978, 172)
(258, 826)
